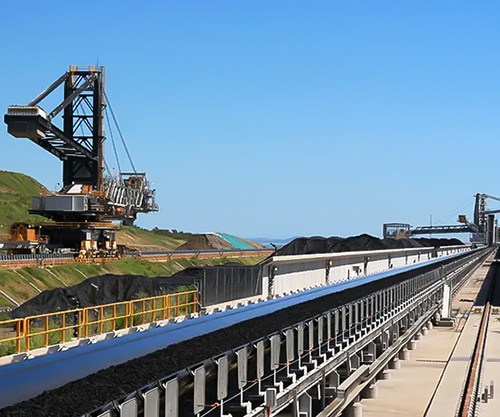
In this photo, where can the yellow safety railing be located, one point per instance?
(22, 335)
(54, 262)
(78, 225)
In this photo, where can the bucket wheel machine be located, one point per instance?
(84, 214)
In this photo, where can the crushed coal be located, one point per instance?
(84, 395)
(318, 244)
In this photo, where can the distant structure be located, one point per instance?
(483, 229)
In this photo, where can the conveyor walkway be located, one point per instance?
(430, 382)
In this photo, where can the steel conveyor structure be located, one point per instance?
(311, 360)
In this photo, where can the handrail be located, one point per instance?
(43, 330)
(52, 261)
(98, 225)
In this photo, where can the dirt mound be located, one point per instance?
(364, 242)
(205, 241)
(111, 289)
(255, 245)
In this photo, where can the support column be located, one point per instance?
(354, 410)
(332, 383)
(304, 406)
(371, 391)
(446, 311)
(354, 363)
(445, 320)
(490, 230)
(411, 345)
(404, 354)
(384, 375)
(395, 363)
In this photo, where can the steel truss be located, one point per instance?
(317, 367)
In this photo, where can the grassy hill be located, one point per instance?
(16, 191)
(135, 237)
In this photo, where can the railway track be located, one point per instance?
(20, 261)
(472, 396)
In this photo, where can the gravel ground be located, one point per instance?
(86, 394)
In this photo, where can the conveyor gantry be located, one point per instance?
(360, 336)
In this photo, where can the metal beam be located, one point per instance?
(70, 98)
(442, 229)
(48, 90)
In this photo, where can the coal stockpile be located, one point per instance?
(364, 242)
(100, 290)
(217, 284)
(83, 395)
(438, 242)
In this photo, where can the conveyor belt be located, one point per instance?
(26, 379)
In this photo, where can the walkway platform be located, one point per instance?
(429, 383)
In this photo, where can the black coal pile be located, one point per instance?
(79, 397)
(364, 242)
(104, 289)
(217, 283)
(438, 242)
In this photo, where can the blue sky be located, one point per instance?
(278, 118)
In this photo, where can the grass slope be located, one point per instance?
(16, 191)
(25, 283)
(137, 238)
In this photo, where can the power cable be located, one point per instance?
(113, 141)
(454, 211)
(120, 133)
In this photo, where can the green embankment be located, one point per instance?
(138, 238)
(16, 191)
(25, 283)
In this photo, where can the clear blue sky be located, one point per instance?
(278, 118)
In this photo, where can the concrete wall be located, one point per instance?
(285, 274)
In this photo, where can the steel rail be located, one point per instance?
(469, 399)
